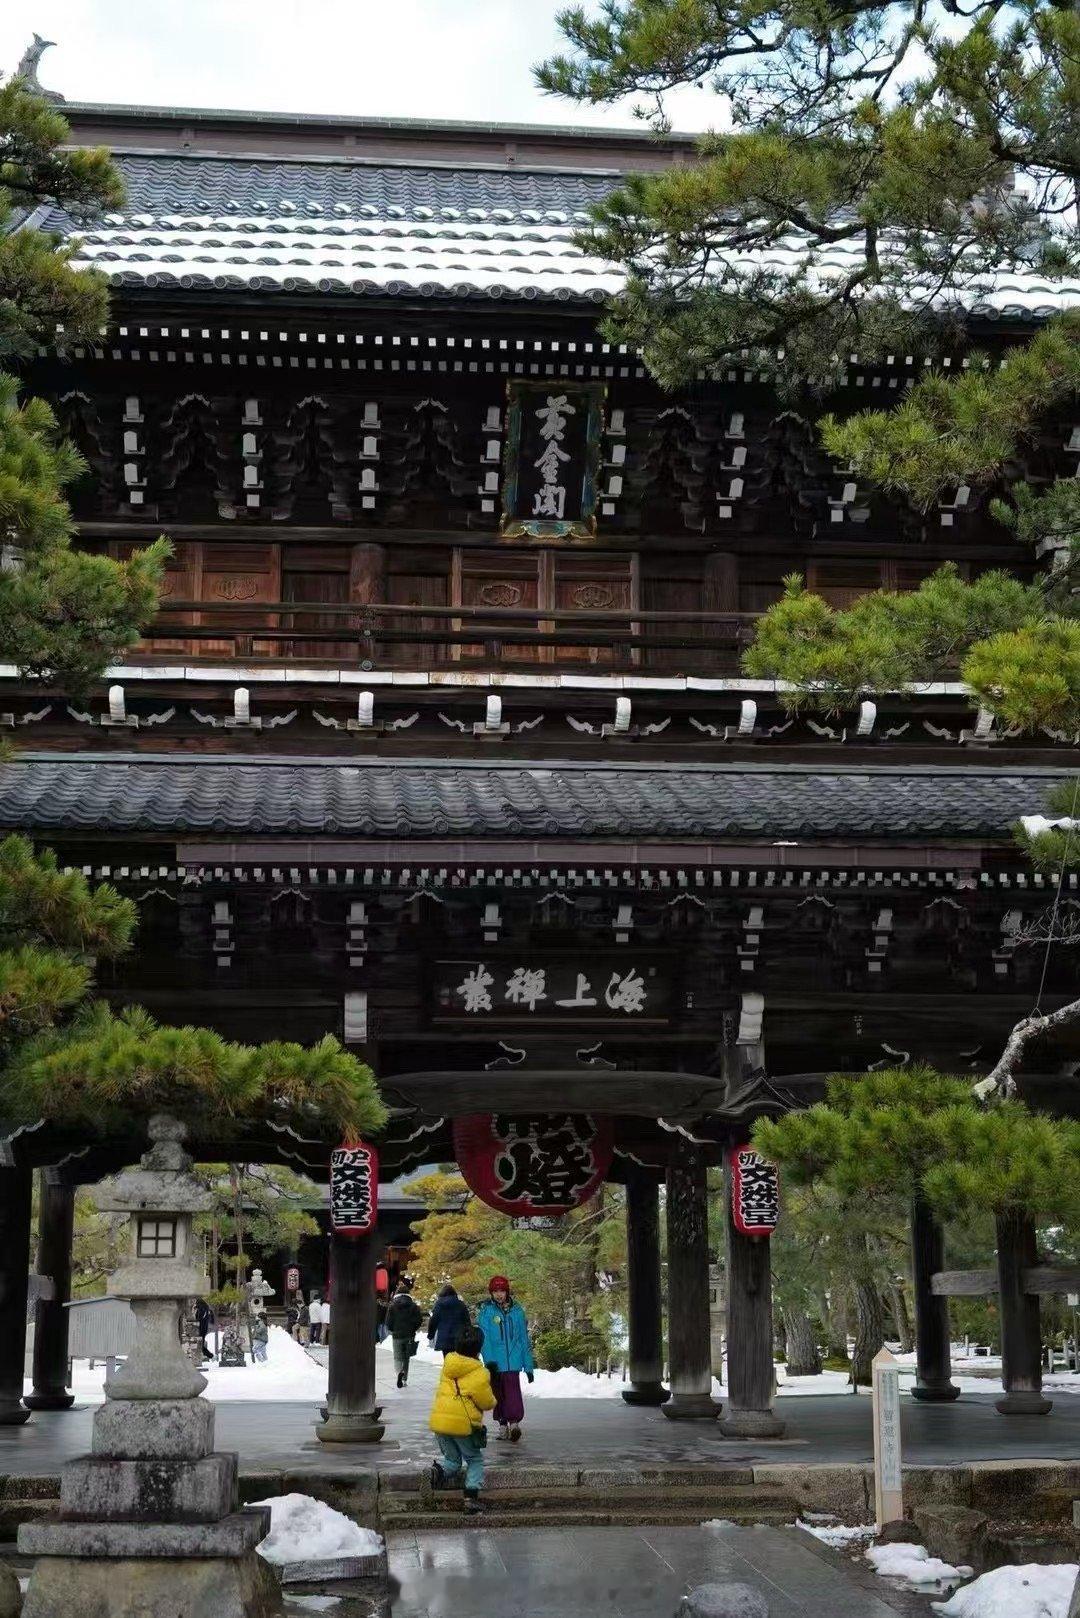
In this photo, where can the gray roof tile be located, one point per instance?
(425, 798)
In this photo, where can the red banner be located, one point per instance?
(755, 1192)
(538, 1164)
(354, 1189)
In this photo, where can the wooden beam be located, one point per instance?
(964, 1283)
(1049, 1278)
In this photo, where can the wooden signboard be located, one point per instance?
(552, 460)
(548, 989)
(354, 1189)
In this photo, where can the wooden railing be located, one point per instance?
(388, 635)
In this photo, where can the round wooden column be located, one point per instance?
(56, 1222)
(351, 1415)
(689, 1348)
(15, 1201)
(1021, 1342)
(749, 1333)
(645, 1311)
(933, 1359)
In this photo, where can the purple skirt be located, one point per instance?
(509, 1404)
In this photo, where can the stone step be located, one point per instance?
(501, 1475)
(582, 1516)
(750, 1496)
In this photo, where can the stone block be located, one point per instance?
(723, 1601)
(154, 1429)
(354, 1493)
(937, 1486)
(230, 1538)
(845, 1491)
(901, 1531)
(10, 1593)
(1005, 1489)
(241, 1588)
(955, 1533)
(530, 1477)
(100, 1487)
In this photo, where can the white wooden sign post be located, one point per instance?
(888, 1481)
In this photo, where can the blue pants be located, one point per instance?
(458, 1453)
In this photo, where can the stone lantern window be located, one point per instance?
(157, 1238)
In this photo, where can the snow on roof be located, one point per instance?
(438, 230)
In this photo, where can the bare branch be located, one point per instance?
(1001, 1080)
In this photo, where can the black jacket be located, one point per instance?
(449, 1316)
(403, 1317)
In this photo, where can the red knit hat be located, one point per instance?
(499, 1283)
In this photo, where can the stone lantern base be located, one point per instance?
(151, 1570)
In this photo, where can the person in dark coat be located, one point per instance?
(204, 1324)
(449, 1317)
(403, 1321)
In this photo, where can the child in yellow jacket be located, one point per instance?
(457, 1417)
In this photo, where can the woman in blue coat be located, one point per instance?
(507, 1352)
(449, 1316)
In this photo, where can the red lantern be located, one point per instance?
(382, 1280)
(755, 1192)
(534, 1164)
(354, 1189)
(292, 1279)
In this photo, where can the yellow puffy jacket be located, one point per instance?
(463, 1394)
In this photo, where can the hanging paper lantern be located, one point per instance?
(354, 1189)
(755, 1192)
(534, 1164)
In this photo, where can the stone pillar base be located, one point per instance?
(242, 1588)
(13, 1412)
(48, 1401)
(935, 1392)
(339, 1428)
(1023, 1402)
(646, 1393)
(691, 1407)
(752, 1424)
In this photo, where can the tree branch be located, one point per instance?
(1001, 1080)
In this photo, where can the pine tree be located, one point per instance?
(63, 614)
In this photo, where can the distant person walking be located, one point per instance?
(448, 1319)
(403, 1321)
(204, 1324)
(507, 1352)
(260, 1337)
(303, 1322)
(315, 1316)
(457, 1418)
(325, 1336)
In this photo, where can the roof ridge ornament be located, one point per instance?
(27, 69)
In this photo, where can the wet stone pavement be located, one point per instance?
(625, 1573)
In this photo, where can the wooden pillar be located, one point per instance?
(56, 1223)
(721, 582)
(645, 1309)
(14, 1278)
(933, 1360)
(688, 1287)
(351, 1415)
(1021, 1342)
(749, 1332)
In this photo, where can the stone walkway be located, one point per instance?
(627, 1573)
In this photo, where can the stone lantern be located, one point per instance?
(148, 1521)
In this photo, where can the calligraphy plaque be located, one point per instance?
(530, 988)
(532, 1165)
(354, 1189)
(551, 460)
(755, 1192)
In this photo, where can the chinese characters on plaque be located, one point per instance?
(552, 459)
(533, 1165)
(755, 1193)
(354, 1189)
(479, 989)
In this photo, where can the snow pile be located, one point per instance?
(914, 1566)
(289, 1373)
(1014, 1592)
(1038, 825)
(307, 1530)
(836, 1535)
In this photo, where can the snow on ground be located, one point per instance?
(289, 1373)
(307, 1530)
(913, 1565)
(836, 1535)
(1014, 1592)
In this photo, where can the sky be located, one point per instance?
(376, 58)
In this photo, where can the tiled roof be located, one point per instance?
(291, 226)
(425, 798)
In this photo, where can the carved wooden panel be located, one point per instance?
(591, 584)
(500, 580)
(235, 577)
(181, 582)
